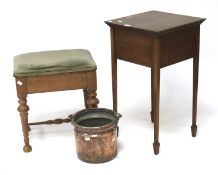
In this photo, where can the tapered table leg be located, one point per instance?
(114, 84)
(114, 72)
(195, 85)
(155, 111)
(152, 101)
(156, 93)
(195, 91)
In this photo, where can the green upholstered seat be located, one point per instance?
(52, 62)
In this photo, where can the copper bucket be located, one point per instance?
(96, 134)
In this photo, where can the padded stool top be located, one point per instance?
(52, 62)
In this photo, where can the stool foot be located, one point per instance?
(27, 148)
(194, 130)
(156, 146)
(152, 116)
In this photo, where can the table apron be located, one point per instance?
(137, 47)
(178, 46)
(132, 46)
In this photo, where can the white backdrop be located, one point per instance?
(28, 25)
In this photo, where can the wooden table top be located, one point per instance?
(155, 21)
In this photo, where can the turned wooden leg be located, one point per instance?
(152, 101)
(85, 97)
(23, 109)
(114, 72)
(92, 100)
(156, 93)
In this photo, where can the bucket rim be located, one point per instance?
(111, 125)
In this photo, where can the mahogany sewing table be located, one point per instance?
(156, 40)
